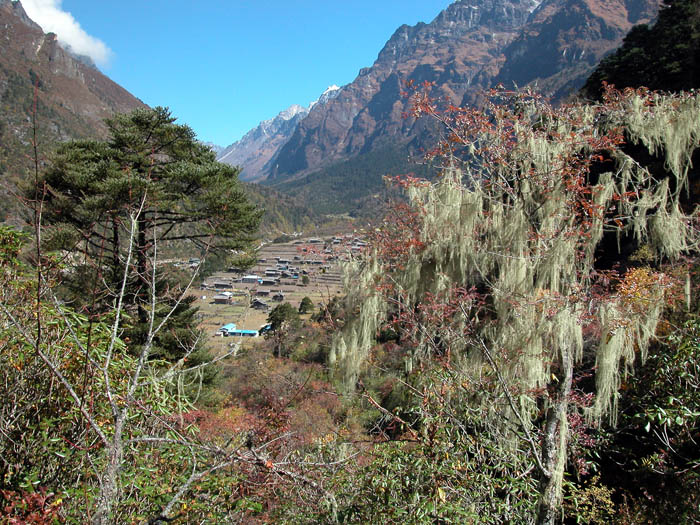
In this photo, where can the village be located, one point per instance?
(237, 302)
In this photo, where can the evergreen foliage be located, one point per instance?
(653, 456)
(148, 161)
(664, 57)
(186, 202)
(282, 314)
(356, 186)
(283, 213)
(283, 319)
(306, 305)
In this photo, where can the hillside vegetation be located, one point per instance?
(664, 56)
(355, 187)
(516, 329)
(283, 213)
(517, 341)
(519, 344)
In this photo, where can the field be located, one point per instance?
(319, 261)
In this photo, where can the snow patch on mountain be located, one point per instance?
(254, 150)
(291, 112)
(329, 94)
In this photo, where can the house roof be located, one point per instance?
(244, 332)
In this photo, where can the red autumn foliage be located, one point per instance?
(30, 508)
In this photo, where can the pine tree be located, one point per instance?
(186, 203)
(283, 318)
(306, 305)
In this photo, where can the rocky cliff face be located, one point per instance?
(260, 144)
(71, 86)
(565, 39)
(257, 149)
(470, 46)
(18, 11)
(73, 97)
(460, 50)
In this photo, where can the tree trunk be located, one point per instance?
(110, 486)
(115, 277)
(554, 445)
(142, 280)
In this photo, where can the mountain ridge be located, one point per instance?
(72, 96)
(258, 147)
(470, 46)
(566, 39)
(456, 49)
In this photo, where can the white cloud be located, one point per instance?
(52, 18)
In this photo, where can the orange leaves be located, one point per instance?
(219, 425)
(590, 209)
(642, 286)
(406, 181)
(628, 195)
(37, 508)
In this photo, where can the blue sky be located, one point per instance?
(223, 66)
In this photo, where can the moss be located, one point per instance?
(521, 240)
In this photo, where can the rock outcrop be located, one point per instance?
(257, 149)
(460, 50)
(565, 39)
(72, 96)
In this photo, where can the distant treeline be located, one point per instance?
(661, 57)
(352, 186)
(283, 213)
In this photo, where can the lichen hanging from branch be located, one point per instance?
(517, 214)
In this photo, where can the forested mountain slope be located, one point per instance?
(663, 56)
(469, 47)
(72, 96)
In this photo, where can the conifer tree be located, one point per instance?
(189, 205)
(306, 305)
(282, 319)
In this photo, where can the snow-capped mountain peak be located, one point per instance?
(292, 111)
(330, 93)
(261, 143)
